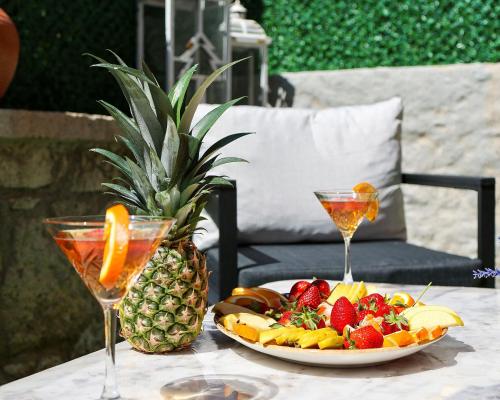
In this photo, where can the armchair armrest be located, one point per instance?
(485, 188)
(225, 215)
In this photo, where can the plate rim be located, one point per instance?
(325, 352)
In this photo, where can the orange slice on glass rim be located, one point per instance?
(116, 234)
(365, 187)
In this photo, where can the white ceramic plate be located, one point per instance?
(331, 358)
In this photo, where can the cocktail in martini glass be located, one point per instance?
(109, 253)
(347, 208)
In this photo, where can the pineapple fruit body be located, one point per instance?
(164, 310)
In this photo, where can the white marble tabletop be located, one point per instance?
(464, 365)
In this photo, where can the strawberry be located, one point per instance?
(343, 313)
(285, 318)
(362, 314)
(323, 286)
(297, 289)
(310, 298)
(307, 319)
(366, 337)
(371, 301)
(383, 309)
(393, 323)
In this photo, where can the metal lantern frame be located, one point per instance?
(248, 34)
(244, 38)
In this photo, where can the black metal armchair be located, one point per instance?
(380, 261)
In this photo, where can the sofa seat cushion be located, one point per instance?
(297, 151)
(375, 261)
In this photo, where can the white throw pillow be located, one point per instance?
(297, 151)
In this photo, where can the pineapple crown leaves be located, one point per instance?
(167, 173)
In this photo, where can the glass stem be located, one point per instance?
(347, 270)
(110, 390)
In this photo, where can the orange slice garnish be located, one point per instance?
(402, 298)
(399, 338)
(365, 187)
(116, 234)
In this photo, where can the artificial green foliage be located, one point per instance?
(336, 34)
(307, 35)
(52, 74)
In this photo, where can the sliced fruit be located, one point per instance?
(270, 297)
(312, 338)
(253, 301)
(401, 338)
(258, 322)
(228, 321)
(371, 289)
(358, 290)
(389, 342)
(431, 316)
(402, 298)
(223, 308)
(271, 334)
(116, 234)
(331, 342)
(420, 335)
(273, 296)
(290, 337)
(373, 206)
(246, 332)
(435, 332)
(341, 289)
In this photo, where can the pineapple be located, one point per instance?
(165, 174)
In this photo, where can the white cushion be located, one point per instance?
(297, 151)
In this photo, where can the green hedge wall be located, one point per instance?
(307, 35)
(52, 73)
(336, 34)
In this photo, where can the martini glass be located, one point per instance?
(81, 239)
(347, 209)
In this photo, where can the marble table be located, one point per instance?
(464, 365)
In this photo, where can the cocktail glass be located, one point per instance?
(347, 209)
(81, 239)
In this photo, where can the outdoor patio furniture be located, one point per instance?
(244, 253)
(447, 368)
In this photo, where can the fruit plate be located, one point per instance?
(331, 358)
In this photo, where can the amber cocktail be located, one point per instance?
(109, 260)
(347, 208)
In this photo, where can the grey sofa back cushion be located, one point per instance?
(297, 151)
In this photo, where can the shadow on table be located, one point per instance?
(440, 355)
(219, 386)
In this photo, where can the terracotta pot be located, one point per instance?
(9, 51)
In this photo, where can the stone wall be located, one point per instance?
(46, 315)
(451, 125)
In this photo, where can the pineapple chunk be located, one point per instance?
(246, 332)
(357, 291)
(311, 338)
(228, 321)
(341, 289)
(290, 337)
(271, 334)
(331, 342)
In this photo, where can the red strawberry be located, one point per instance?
(362, 314)
(383, 309)
(323, 286)
(393, 323)
(343, 313)
(297, 289)
(371, 301)
(285, 318)
(366, 337)
(310, 298)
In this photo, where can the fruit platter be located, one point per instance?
(337, 325)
